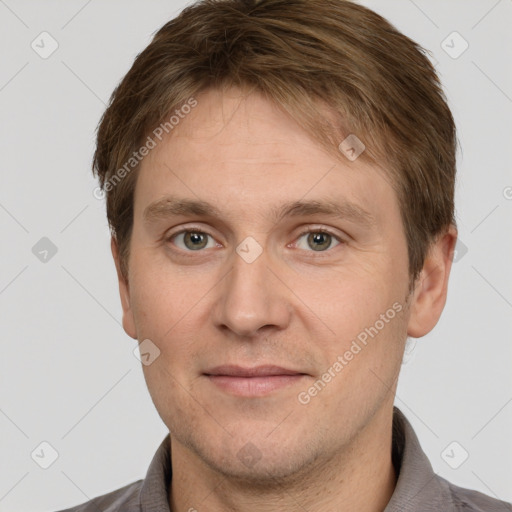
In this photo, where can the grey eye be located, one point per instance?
(192, 240)
(318, 241)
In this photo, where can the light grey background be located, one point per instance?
(68, 375)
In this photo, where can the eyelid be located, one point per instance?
(310, 228)
(319, 228)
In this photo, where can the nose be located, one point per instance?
(253, 297)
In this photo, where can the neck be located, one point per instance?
(359, 478)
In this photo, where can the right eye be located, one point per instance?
(191, 240)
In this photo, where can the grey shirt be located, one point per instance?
(418, 487)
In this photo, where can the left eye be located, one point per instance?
(318, 240)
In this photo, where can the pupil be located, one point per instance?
(317, 238)
(196, 240)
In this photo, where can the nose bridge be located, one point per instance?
(251, 296)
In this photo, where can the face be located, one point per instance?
(273, 279)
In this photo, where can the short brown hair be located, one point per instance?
(301, 54)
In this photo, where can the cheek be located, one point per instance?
(365, 310)
(354, 298)
(158, 299)
(168, 310)
(366, 358)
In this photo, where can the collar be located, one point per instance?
(417, 487)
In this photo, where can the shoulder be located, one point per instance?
(468, 500)
(125, 499)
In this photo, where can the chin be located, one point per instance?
(262, 463)
(263, 474)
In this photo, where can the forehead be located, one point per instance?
(244, 152)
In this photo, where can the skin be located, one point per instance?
(299, 305)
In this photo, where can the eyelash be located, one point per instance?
(305, 232)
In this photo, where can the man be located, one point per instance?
(279, 179)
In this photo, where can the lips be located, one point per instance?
(252, 382)
(258, 371)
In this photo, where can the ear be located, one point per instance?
(124, 292)
(431, 288)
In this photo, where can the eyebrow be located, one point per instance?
(170, 206)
